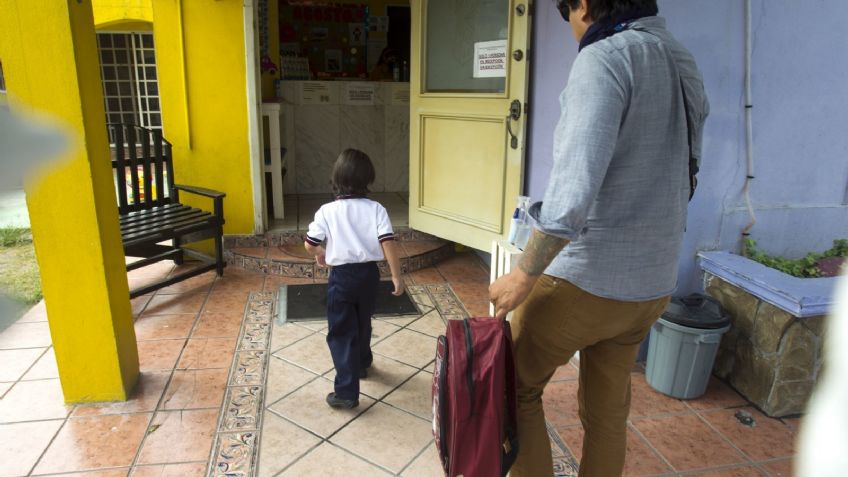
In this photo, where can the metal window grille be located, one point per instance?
(130, 80)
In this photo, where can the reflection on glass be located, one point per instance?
(453, 28)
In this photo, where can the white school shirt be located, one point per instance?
(354, 229)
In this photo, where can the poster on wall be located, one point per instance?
(318, 92)
(490, 59)
(400, 94)
(360, 94)
(319, 34)
(333, 61)
(356, 34)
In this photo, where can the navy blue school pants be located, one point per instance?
(351, 295)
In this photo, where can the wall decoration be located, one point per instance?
(333, 61)
(263, 28)
(319, 34)
(357, 33)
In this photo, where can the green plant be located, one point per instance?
(804, 267)
(10, 236)
(19, 278)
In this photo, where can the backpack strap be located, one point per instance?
(510, 444)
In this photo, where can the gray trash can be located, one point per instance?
(683, 345)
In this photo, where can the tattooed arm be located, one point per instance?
(509, 291)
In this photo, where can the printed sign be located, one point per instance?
(490, 59)
(316, 92)
(361, 94)
(400, 94)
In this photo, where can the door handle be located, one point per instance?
(514, 115)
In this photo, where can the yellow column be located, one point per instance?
(50, 62)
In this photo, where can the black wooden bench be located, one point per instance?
(151, 214)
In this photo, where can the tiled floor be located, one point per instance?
(300, 209)
(204, 346)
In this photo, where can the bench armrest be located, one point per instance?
(217, 197)
(212, 194)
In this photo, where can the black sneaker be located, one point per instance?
(338, 403)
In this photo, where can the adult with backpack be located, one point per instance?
(601, 263)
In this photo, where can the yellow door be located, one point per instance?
(467, 131)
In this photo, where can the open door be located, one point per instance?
(467, 125)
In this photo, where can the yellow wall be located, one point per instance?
(202, 87)
(203, 90)
(110, 12)
(51, 65)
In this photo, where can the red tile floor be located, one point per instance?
(187, 338)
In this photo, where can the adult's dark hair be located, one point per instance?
(603, 10)
(352, 173)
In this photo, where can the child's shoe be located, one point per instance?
(339, 403)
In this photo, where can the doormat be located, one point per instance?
(309, 302)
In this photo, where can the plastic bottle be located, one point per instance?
(522, 235)
(396, 72)
(405, 72)
(513, 226)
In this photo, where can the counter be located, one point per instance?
(322, 118)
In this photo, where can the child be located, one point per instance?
(358, 234)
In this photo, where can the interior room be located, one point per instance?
(335, 76)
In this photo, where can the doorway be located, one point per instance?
(342, 81)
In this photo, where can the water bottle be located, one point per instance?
(519, 227)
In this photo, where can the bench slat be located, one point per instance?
(161, 234)
(164, 222)
(157, 211)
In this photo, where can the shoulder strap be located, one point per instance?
(693, 160)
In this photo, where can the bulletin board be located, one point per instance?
(333, 36)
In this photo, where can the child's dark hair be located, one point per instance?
(352, 173)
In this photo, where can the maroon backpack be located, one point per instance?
(474, 417)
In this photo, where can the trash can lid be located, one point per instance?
(696, 311)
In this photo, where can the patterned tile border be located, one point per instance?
(565, 465)
(300, 269)
(235, 452)
(273, 239)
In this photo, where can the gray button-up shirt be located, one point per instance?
(619, 187)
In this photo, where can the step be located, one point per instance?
(282, 253)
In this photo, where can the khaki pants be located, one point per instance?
(557, 320)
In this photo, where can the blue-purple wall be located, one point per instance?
(800, 93)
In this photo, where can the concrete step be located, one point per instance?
(282, 253)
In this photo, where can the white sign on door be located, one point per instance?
(490, 59)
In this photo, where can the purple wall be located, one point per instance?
(800, 87)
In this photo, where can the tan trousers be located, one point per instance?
(557, 320)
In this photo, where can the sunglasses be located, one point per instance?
(562, 6)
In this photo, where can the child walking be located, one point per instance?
(358, 234)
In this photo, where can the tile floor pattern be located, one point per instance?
(189, 335)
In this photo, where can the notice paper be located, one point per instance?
(490, 59)
(361, 94)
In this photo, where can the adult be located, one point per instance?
(601, 263)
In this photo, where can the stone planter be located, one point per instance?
(772, 353)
